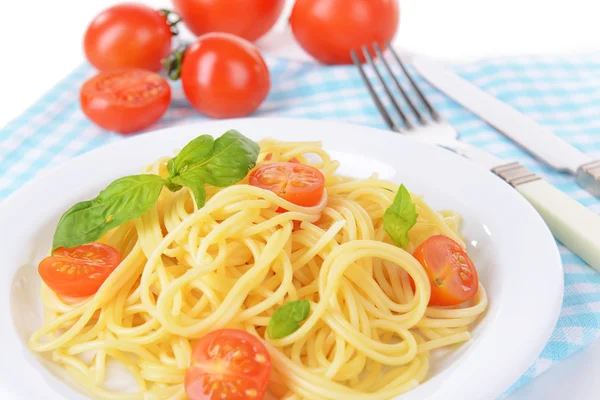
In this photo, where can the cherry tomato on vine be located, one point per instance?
(451, 272)
(329, 29)
(223, 76)
(249, 19)
(128, 35)
(79, 271)
(228, 364)
(125, 100)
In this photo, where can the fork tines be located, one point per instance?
(396, 105)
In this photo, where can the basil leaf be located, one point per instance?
(125, 199)
(221, 162)
(400, 217)
(287, 318)
(197, 188)
(196, 151)
(233, 155)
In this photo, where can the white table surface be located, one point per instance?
(38, 49)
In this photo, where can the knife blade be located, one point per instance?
(573, 224)
(536, 139)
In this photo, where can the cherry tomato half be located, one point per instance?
(297, 183)
(247, 19)
(451, 272)
(79, 271)
(128, 36)
(224, 76)
(329, 29)
(125, 100)
(228, 364)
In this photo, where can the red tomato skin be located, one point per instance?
(249, 19)
(117, 114)
(439, 257)
(224, 76)
(329, 29)
(128, 36)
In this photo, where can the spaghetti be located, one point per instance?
(232, 263)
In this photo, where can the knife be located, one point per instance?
(573, 224)
(538, 140)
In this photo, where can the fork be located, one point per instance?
(576, 226)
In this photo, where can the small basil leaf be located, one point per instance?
(287, 318)
(196, 151)
(196, 186)
(125, 199)
(400, 217)
(232, 157)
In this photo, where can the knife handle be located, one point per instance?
(575, 225)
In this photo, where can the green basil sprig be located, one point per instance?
(400, 217)
(222, 162)
(287, 318)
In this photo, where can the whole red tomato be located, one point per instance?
(329, 29)
(125, 100)
(128, 36)
(224, 76)
(249, 19)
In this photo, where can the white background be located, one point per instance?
(40, 42)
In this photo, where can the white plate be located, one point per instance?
(517, 258)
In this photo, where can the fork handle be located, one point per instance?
(588, 177)
(575, 225)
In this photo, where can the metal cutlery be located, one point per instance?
(538, 140)
(576, 226)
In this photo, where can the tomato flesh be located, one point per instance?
(79, 271)
(125, 100)
(451, 272)
(297, 183)
(228, 364)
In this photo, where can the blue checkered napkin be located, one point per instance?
(561, 93)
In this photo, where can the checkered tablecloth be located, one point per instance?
(561, 93)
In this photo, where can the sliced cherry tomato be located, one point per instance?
(125, 100)
(128, 36)
(329, 29)
(224, 76)
(228, 364)
(451, 272)
(79, 271)
(247, 19)
(297, 183)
